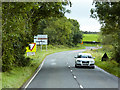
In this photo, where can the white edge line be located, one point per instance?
(106, 72)
(34, 75)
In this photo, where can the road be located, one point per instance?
(58, 71)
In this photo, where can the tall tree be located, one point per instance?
(108, 14)
(18, 23)
(60, 30)
(77, 34)
(46, 10)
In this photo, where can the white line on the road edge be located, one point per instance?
(105, 72)
(34, 75)
(81, 86)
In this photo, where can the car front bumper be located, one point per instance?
(84, 64)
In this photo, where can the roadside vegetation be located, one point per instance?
(60, 31)
(107, 13)
(24, 20)
(21, 21)
(111, 65)
(16, 77)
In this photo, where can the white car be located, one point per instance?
(84, 59)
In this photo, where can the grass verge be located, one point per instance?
(19, 75)
(90, 45)
(110, 66)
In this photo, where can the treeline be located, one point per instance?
(108, 14)
(22, 20)
(61, 31)
(89, 32)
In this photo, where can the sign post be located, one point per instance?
(46, 47)
(41, 47)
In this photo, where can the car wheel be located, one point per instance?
(93, 67)
(76, 66)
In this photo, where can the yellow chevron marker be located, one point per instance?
(31, 47)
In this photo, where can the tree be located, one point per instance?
(18, 28)
(77, 34)
(108, 14)
(58, 30)
(61, 31)
(46, 10)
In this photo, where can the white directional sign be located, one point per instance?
(41, 39)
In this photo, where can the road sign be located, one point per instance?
(41, 39)
(31, 49)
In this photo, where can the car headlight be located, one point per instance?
(79, 61)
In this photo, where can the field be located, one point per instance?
(90, 37)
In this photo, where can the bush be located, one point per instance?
(16, 33)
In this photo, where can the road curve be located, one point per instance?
(58, 71)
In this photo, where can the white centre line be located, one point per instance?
(75, 77)
(53, 63)
(81, 86)
(53, 60)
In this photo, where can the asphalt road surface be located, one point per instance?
(58, 71)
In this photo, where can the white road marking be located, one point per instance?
(81, 86)
(53, 60)
(71, 70)
(34, 75)
(74, 77)
(53, 63)
(105, 72)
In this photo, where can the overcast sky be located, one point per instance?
(80, 11)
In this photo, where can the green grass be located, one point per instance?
(19, 75)
(90, 37)
(110, 66)
(91, 45)
(0, 80)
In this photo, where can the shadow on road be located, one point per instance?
(83, 67)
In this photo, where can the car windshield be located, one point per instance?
(84, 56)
